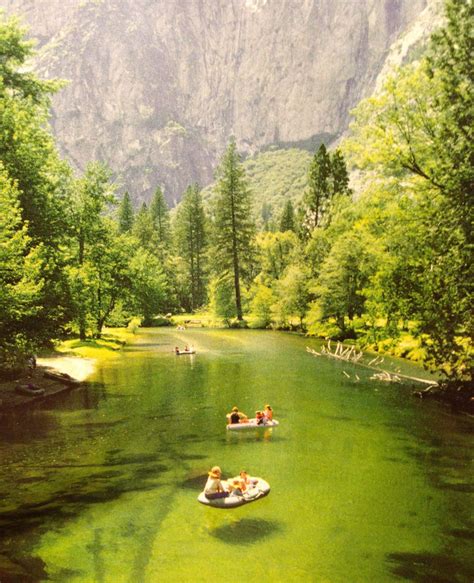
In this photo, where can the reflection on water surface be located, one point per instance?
(368, 484)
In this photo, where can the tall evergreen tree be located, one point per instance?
(266, 214)
(287, 220)
(234, 225)
(143, 229)
(160, 215)
(339, 174)
(316, 197)
(190, 235)
(126, 215)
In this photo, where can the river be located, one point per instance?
(368, 484)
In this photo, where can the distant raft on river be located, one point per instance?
(179, 352)
(253, 424)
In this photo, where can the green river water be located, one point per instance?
(369, 484)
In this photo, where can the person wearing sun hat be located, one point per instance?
(214, 488)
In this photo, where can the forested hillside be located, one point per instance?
(279, 241)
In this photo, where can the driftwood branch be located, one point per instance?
(351, 355)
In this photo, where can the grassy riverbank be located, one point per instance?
(112, 341)
(73, 358)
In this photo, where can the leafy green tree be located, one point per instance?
(450, 67)
(275, 252)
(292, 295)
(222, 298)
(190, 234)
(30, 159)
(287, 220)
(110, 267)
(126, 214)
(417, 132)
(233, 224)
(92, 195)
(148, 285)
(261, 304)
(339, 288)
(20, 278)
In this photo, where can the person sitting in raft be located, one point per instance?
(214, 487)
(260, 417)
(245, 481)
(236, 416)
(241, 483)
(268, 413)
(176, 349)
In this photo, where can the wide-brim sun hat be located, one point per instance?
(215, 472)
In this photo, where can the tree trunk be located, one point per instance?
(238, 299)
(82, 329)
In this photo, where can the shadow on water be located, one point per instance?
(98, 488)
(87, 396)
(462, 533)
(22, 569)
(196, 483)
(430, 568)
(25, 426)
(246, 531)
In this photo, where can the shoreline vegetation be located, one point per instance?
(47, 374)
(59, 370)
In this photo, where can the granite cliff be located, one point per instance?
(157, 86)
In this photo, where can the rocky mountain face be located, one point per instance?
(157, 87)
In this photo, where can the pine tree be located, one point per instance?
(159, 212)
(191, 243)
(266, 214)
(126, 215)
(339, 174)
(234, 225)
(287, 220)
(144, 230)
(317, 195)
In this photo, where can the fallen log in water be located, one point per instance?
(350, 355)
(61, 376)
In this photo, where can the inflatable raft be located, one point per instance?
(30, 390)
(252, 424)
(259, 490)
(180, 352)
